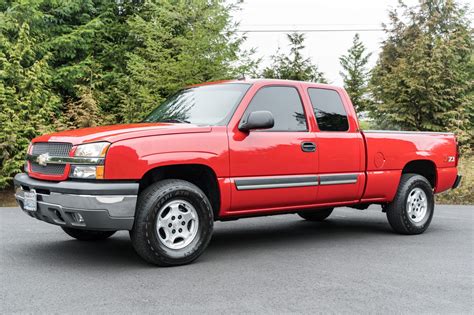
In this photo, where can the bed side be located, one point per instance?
(391, 153)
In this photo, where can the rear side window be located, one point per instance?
(328, 109)
(284, 103)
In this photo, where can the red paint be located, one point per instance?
(376, 158)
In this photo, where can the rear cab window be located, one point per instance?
(328, 109)
(284, 103)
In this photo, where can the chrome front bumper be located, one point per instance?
(86, 205)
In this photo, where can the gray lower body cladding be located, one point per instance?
(102, 206)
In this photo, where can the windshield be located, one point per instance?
(202, 105)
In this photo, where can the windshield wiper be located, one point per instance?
(175, 120)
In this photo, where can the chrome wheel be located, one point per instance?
(177, 224)
(417, 205)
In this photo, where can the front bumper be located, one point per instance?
(102, 206)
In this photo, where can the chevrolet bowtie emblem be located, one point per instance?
(43, 159)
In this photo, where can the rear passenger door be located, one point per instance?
(340, 147)
(269, 168)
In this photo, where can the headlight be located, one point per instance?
(97, 149)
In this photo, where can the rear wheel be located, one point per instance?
(173, 223)
(412, 209)
(87, 235)
(317, 215)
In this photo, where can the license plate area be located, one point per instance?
(30, 200)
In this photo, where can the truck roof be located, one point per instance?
(274, 81)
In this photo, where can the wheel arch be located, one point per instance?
(425, 168)
(200, 175)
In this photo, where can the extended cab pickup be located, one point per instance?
(226, 150)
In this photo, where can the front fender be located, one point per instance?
(131, 159)
(179, 158)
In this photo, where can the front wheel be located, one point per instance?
(412, 209)
(87, 235)
(173, 223)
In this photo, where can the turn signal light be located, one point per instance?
(99, 172)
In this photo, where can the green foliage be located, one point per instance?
(27, 106)
(81, 113)
(355, 74)
(294, 66)
(366, 124)
(470, 109)
(423, 78)
(72, 64)
(177, 43)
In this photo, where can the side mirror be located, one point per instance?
(257, 120)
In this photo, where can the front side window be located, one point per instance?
(328, 109)
(284, 103)
(202, 105)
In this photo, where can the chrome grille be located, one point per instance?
(53, 149)
(51, 169)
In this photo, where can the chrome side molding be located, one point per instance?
(252, 183)
(338, 179)
(267, 182)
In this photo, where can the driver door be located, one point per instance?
(273, 168)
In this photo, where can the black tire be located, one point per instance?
(87, 235)
(316, 215)
(144, 235)
(397, 211)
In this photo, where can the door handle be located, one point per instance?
(308, 146)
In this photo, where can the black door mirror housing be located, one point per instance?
(257, 120)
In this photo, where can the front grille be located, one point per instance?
(53, 149)
(51, 169)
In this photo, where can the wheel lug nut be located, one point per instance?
(174, 231)
(180, 230)
(172, 218)
(179, 217)
(183, 223)
(169, 225)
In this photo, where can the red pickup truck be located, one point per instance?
(227, 150)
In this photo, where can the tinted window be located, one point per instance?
(329, 110)
(285, 105)
(202, 105)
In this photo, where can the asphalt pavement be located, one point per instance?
(352, 263)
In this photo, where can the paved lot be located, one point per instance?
(351, 264)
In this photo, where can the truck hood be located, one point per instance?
(116, 133)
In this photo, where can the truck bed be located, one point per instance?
(388, 154)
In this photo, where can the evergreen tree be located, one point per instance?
(177, 43)
(294, 66)
(470, 109)
(27, 104)
(355, 74)
(70, 64)
(82, 113)
(422, 78)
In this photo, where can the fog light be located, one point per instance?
(82, 171)
(78, 217)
